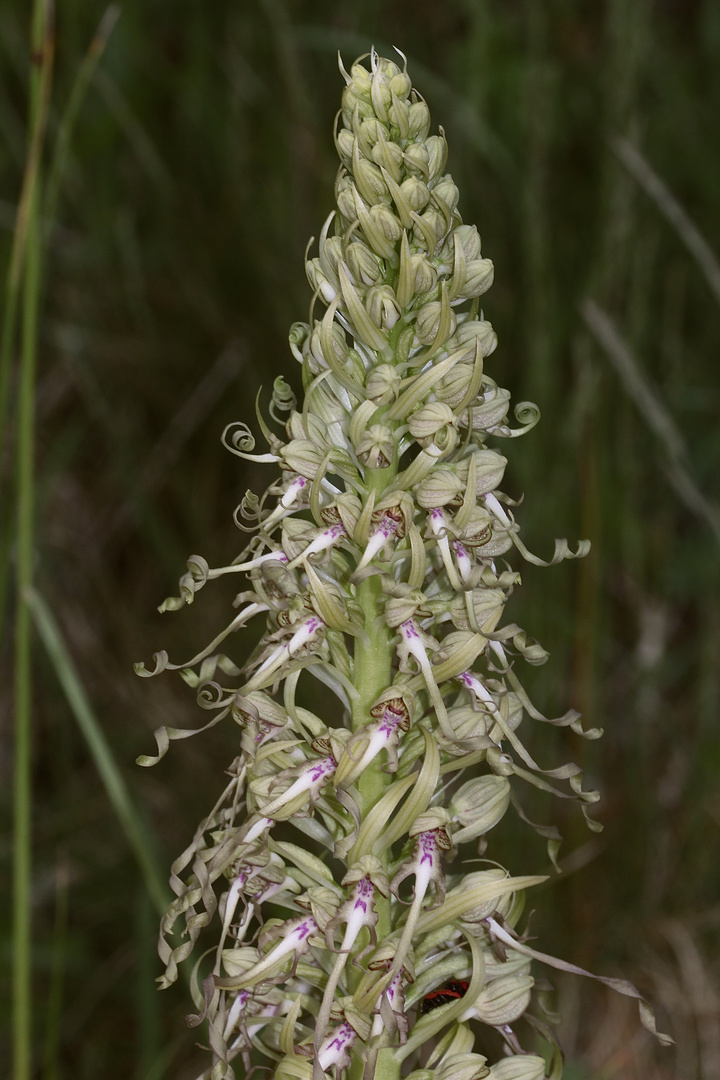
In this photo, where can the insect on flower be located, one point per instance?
(443, 995)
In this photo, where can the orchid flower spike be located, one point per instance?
(380, 710)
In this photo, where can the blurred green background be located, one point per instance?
(584, 140)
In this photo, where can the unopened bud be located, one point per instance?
(478, 278)
(468, 238)
(427, 324)
(416, 193)
(345, 142)
(426, 422)
(462, 1067)
(479, 805)
(504, 1000)
(383, 384)
(345, 197)
(519, 1067)
(388, 156)
(369, 180)
(501, 905)
(382, 307)
(363, 264)
(417, 158)
(437, 151)
(419, 121)
(489, 470)
(439, 488)
(477, 330)
(446, 191)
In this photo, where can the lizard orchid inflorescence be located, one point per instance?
(332, 863)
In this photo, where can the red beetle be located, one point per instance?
(443, 995)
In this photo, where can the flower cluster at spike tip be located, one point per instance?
(376, 560)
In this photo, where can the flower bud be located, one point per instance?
(479, 805)
(429, 228)
(400, 84)
(426, 422)
(319, 282)
(419, 121)
(368, 133)
(417, 158)
(462, 1067)
(316, 346)
(501, 905)
(468, 238)
(519, 1067)
(369, 180)
(477, 330)
(439, 488)
(493, 410)
(504, 1000)
(354, 99)
(478, 278)
(345, 142)
(424, 275)
(453, 387)
(446, 191)
(345, 196)
(399, 117)
(381, 95)
(364, 266)
(382, 307)
(331, 251)
(489, 470)
(416, 193)
(383, 384)
(437, 155)
(388, 156)
(382, 229)
(428, 323)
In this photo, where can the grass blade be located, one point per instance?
(24, 284)
(653, 411)
(127, 814)
(671, 210)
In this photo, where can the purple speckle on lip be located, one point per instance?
(327, 765)
(364, 891)
(427, 847)
(343, 1034)
(305, 929)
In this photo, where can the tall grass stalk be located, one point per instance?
(25, 280)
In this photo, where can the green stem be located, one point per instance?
(25, 274)
(372, 675)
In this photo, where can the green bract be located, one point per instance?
(331, 866)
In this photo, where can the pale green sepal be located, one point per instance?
(293, 1068)
(459, 901)
(363, 325)
(418, 800)
(519, 1067)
